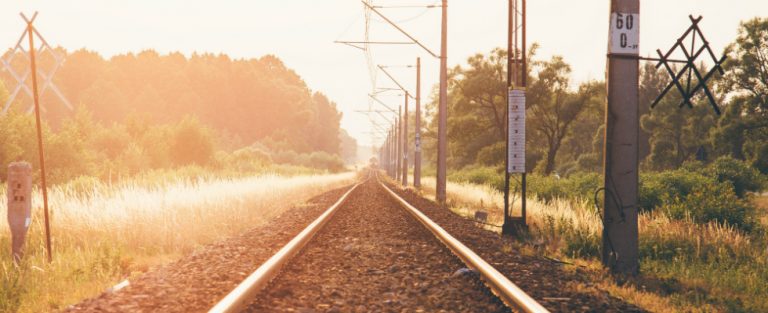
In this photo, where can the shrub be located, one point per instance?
(285, 157)
(489, 155)
(480, 175)
(743, 177)
(713, 201)
(247, 160)
(655, 187)
(324, 160)
(580, 185)
(192, 143)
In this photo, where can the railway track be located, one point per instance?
(373, 251)
(364, 252)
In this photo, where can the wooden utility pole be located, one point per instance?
(620, 231)
(405, 142)
(44, 187)
(442, 111)
(417, 130)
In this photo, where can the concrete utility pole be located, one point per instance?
(442, 111)
(389, 153)
(405, 142)
(393, 151)
(620, 233)
(417, 130)
(384, 153)
(398, 153)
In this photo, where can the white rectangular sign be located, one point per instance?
(516, 127)
(624, 37)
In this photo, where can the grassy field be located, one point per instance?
(105, 233)
(686, 267)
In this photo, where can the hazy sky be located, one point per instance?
(301, 33)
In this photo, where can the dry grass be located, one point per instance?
(761, 202)
(686, 267)
(466, 198)
(105, 233)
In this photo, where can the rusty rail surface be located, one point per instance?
(507, 291)
(246, 291)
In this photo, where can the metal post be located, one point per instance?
(390, 159)
(417, 129)
(33, 69)
(516, 79)
(507, 226)
(405, 142)
(524, 84)
(393, 151)
(620, 231)
(442, 111)
(389, 153)
(398, 145)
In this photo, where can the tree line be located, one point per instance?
(565, 123)
(146, 111)
(248, 100)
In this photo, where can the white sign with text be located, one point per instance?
(624, 34)
(516, 127)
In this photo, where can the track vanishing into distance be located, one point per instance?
(365, 248)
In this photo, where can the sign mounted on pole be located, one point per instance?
(624, 34)
(22, 78)
(516, 128)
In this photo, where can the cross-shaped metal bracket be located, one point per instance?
(691, 54)
(21, 79)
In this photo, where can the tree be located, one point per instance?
(252, 99)
(742, 132)
(676, 133)
(553, 107)
(348, 147)
(582, 149)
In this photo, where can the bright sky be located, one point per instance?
(301, 33)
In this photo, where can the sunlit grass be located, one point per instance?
(105, 233)
(685, 266)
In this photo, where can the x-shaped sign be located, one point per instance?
(691, 54)
(21, 79)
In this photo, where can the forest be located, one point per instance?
(136, 112)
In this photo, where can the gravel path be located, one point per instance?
(196, 282)
(374, 257)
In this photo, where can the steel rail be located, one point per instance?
(245, 292)
(512, 295)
